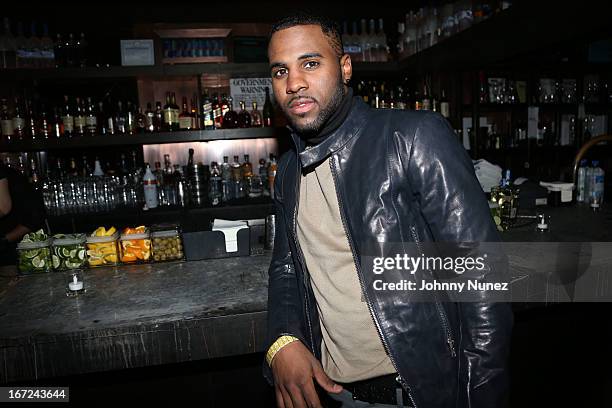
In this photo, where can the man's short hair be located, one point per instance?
(330, 28)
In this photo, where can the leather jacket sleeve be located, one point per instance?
(284, 307)
(455, 210)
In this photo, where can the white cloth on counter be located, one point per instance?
(230, 231)
(489, 175)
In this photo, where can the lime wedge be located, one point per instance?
(81, 254)
(56, 261)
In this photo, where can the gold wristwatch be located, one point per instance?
(277, 345)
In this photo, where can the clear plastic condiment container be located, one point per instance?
(102, 251)
(167, 245)
(34, 257)
(135, 248)
(69, 252)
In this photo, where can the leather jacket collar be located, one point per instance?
(351, 127)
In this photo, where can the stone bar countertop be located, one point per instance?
(131, 316)
(143, 315)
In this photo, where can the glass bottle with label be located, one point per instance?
(444, 106)
(185, 117)
(158, 122)
(217, 112)
(6, 122)
(79, 118)
(120, 119)
(141, 121)
(18, 121)
(176, 112)
(244, 117)
(215, 187)
(206, 115)
(237, 178)
(226, 180)
(193, 113)
(149, 118)
(256, 120)
(230, 118)
(150, 188)
(91, 120)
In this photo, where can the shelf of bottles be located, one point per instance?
(84, 123)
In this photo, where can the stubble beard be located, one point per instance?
(314, 127)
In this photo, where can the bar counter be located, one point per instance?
(145, 315)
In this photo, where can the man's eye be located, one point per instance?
(311, 64)
(279, 73)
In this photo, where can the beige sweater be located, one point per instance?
(351, 347)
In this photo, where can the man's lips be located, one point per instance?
(301, 106)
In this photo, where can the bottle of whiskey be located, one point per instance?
(244, 117)
(185, 117)
(91, 120)
(267, 110)
(18, 121)
(230, 118)
(158, 121)
(120, 119)
(256, 120)
(206, 115)
(6, 122)
(68, 118)
(193, 113)
(149, 118)
(79, 118)
(217, 112)
(141, 121)
(175, 112)
(226, 180)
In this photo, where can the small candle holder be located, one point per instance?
(75, 285)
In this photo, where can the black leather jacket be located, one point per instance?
(400, 177)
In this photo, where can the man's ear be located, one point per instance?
(347, 68)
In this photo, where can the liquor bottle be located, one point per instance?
(185, 117)
(175, 112)
(72, 168)
(98, 172)
(120, 119)
(244, 117)
(193, 113)
(79, 118)
(383, 52)
(68, 118)
(6, 122)
(217, 109)
(426, 101)
(237, 178)
(256, 120)
(206, 114)
(226, 180)
(215, 186)
(230, 118)
(158, 122)
(18, 121)
(58, 125)
(108, 126)
(167, 122)
(271, 174)
(32, 126)
(150, 188)
(263, 176)
(225, 105)
(130, 119)
(34, 177)
(141, 121)
(69, 51)
(444, 106)
(267, 110)
(85, 168)
(190, 162)
(247, 167)
(149, 118)
(91, 120)
(45, 128)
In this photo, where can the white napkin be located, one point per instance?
(230, 231)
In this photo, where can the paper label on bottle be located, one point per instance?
(91, 122)
(79, 122)
(445, 109)
(7, 127)
(68, 122)
(185, 123)
(18, 123)
(170, 116)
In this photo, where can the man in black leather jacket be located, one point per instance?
(361, 176)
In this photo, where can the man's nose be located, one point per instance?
(296, 82)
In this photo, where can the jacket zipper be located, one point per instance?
(301, 256)
(441, 313)
(370, 308)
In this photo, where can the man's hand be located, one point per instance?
(294, 368)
